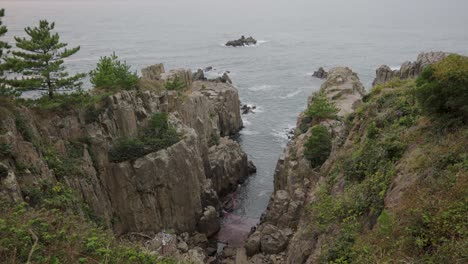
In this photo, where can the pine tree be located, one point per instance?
(40, 60)
(4, 89)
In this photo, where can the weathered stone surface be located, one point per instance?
(199, 75)
(143, 195)
(408, 69)
(252, 245)
(153, 72)
(229, 165)
(320, 73)
(182, 75)
(272, 241)
(209, 223)
(243, 41)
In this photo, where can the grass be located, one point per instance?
(30, 235)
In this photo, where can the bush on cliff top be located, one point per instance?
(112, 74)
(442, 88)
(321, 108)
(157, 135)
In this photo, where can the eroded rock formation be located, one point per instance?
(278, 237)
(243, 41)
(175, 188)
(408, 69)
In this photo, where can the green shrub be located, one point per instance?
(65, 101)
(318, 146)
(55, 236)
(321, 108)
(111, 73)
(174, 85)
(127, 149)
(23, 127)
(5, 149)
(157, 135)
(442, 88)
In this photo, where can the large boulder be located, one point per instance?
(229, 165)
(209, 223)
(243, 41)
(273, 241)
(182, 75)
(153, 72)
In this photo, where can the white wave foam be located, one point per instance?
(283, 135)
(289, 95)
(394, 68)
(246, 122)
(263, 87)
(249, 132)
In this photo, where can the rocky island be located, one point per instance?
(243, 41)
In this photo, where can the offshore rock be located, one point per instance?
(243, 41)
(320, 73)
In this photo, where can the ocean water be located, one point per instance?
(296, 37)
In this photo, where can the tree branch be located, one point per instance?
(36, 239)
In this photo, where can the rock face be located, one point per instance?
(320, 73)
(168, 189)
(243, 41)
(280, 229)
(408, 69)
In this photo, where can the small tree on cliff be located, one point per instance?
(40, 61)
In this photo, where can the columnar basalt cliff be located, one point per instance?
(167, 189)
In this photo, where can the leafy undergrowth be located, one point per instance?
(393, 142)
(53, 234)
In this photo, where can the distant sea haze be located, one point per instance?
(296, 38)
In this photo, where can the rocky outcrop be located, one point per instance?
(320, 73)
(199, 75)
(296, 181)
(167, 189)
(243, 41)
(408, 69)
(229, 166)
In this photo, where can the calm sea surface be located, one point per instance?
(296, 37)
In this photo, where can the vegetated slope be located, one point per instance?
(394, 187)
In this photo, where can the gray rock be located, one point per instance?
(320, 73)
(182, 246)
(252, 245)
(153, 72)
(209, 223)
(272, 241)
(408, 69)
(199, 75)
(243, 41)
(198, 240)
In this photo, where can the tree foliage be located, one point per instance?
(111, 73)
(321, 108)
(318, 146)
(40, 60)
(4, 46)
(442, 89)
